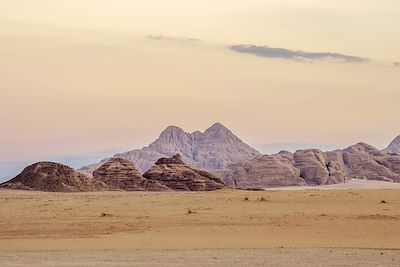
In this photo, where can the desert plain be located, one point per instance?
(348, 227)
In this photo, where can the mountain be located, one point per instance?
(214, 149)
(53, 177)
(314, 167)
(394, 146)
(121, 174)
(178, 176)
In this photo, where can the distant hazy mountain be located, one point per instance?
(274, 148)
(214, 149)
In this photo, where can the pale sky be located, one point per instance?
(78, 76)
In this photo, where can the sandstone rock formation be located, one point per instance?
(215, 149)
(121, 174)
(263, 171)
(219, 151)
(53, 177)
(314, 167)
(366, 162)
(394, 146)
(178, 176)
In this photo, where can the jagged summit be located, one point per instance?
(219, 131)
(218, 127)
(172, 132)
(214, 149)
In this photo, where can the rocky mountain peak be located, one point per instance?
(172, 133)
(218, 126)
(215, 149)
(394, 146)
(217, 130)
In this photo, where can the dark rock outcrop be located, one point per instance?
(178, 176)
(53, 177)
(121, 174)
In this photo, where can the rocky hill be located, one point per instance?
(121, 174)
(214, 149)
(366, 162)
(314, 167)
(263, 171)
(178, 176)
(53, 177)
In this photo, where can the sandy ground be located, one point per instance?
(227, 227)
(243, 257)
(351, 184)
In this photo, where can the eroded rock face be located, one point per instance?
(222, 153)
(314, 167)
(215, 149)
(178, 176)
(394, 146)
(53, 177)
(264, 171)
(366, 162)
(337, 169)
(120, 174)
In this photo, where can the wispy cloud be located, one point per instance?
(396, 64)
(270, 52)
(172, 38)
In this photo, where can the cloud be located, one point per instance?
(270, 52)
(172, 38)
(396, 64)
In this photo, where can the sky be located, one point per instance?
(82, 76)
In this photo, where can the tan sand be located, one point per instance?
(190, 222)
(351, 184)
(243, 257)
